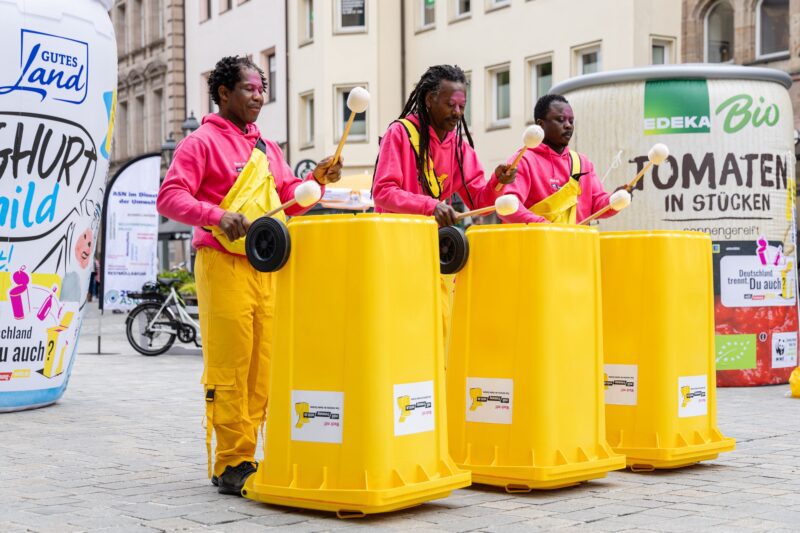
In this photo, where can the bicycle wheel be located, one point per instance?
(150, 342)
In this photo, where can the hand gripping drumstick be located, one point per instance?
(622, 198)
(306, 194)
(531, 138)
(504, 205)
(357, 102)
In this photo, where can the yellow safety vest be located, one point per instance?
(560, 207)
(434, 182)
(253, 194)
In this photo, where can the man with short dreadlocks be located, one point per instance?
(222, 177)
(424, 161)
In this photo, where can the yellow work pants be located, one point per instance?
(236, 305)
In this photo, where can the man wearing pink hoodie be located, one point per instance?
(235, 300)
(423, 160)
(555, 184)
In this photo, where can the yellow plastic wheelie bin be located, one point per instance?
(658, 332)
(524, 374)
(356, 421)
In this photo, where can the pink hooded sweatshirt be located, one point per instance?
(541, 172)
(396, 189)
(205, 167)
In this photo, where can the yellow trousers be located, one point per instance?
(236, 305)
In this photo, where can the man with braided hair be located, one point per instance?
(423, 160)
(211, 166)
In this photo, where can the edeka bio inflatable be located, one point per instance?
(58, 79)
(730, 173)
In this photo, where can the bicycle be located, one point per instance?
(153, 325)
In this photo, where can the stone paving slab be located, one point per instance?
(124, 450)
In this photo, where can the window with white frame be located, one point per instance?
(493, 4)
(719, 33)
(272, 77)
(270, 66)
(500, 90)
(351, 16)
(772, 28)
(588, 59)
(358, 131)
(205, 10)
(427, 13)
(468, 106)
(540, 78)
(462, 8)
(307, 119)
(225, 5)
(306, 20)
(661, 51)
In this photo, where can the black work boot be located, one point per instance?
(232, 478)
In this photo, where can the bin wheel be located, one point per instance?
(453, 249)
(267, 244)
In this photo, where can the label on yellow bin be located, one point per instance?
(490, 400)
(692, 396)
(621, 383)
(317, 416)
(413, 408)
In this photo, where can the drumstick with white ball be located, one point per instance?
(357, 102)
(504, 205)
(657, 155)
(622, 198)
(306, 194)
(531, 138)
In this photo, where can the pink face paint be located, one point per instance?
(253, 80)
(458, 100)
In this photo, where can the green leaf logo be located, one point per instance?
(735, 352)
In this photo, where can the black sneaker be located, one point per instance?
(215, 481)
(233, 477)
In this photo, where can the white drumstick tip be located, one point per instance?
(620, 200)
(358, 100)
(658, 153)
(506, 205)
(533, 136)
(308, 193)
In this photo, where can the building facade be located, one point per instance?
(253, 28)
(151, 92)
(151, 88)
(764, 33)
(512, 50)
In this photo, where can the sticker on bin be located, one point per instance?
(317, 416)
(490, 400)
(746, 282)
(620, 383)
(413, 408)
(692, 396)
(784, 350)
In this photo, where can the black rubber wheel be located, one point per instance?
(268, 244)
(152, 340)
(453, 249)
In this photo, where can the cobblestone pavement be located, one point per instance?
(123, 450)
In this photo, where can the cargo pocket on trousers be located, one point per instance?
(223, 401)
